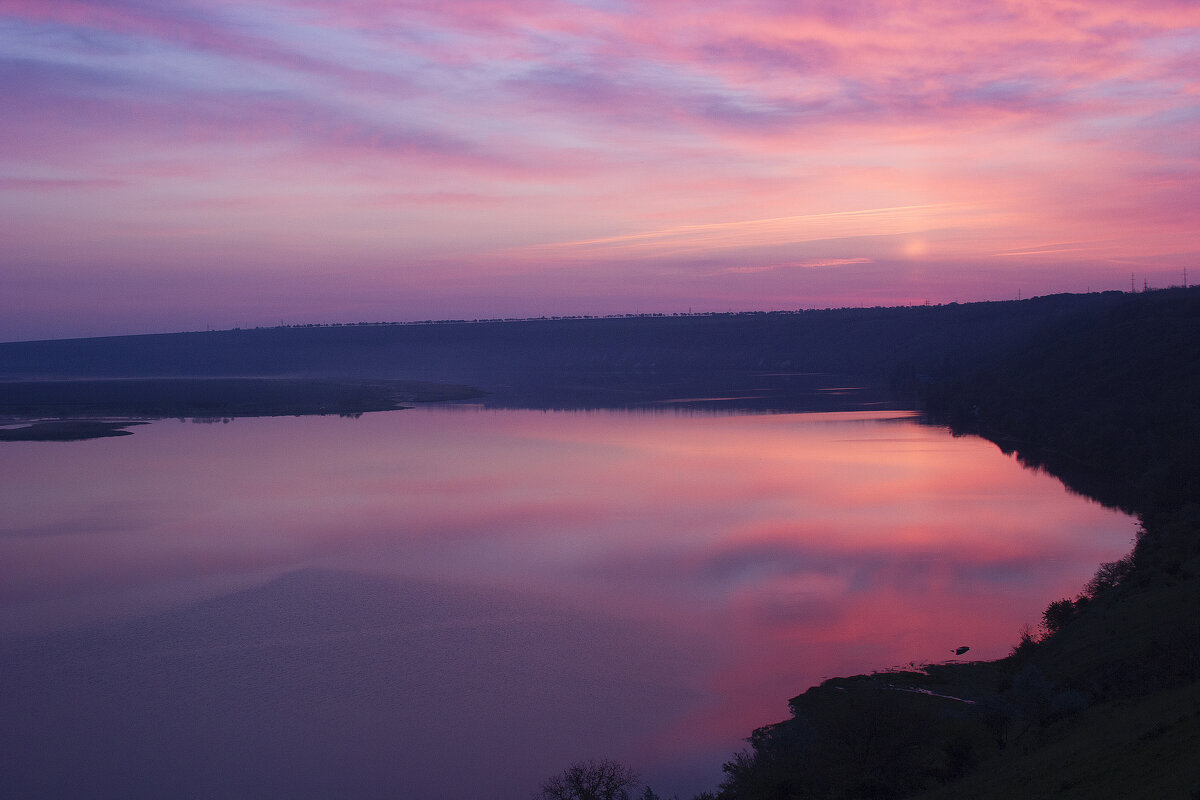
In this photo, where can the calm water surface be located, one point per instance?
(456, 603)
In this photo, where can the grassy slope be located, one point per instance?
(1144, 747)
(1143, 742)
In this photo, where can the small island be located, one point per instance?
(67, 430)
(89, 408)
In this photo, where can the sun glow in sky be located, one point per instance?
(166, 166)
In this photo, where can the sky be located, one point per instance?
(180, 165)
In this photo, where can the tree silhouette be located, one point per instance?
(602, 779)
(1058, 614)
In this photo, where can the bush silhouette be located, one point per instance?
(602, 779)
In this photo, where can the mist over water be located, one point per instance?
(458, 602)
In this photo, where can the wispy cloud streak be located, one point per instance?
(722, 138)
(762, 232)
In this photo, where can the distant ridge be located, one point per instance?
(877, 344)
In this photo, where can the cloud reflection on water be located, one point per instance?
(730, 561)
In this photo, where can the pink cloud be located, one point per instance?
(52, 184)
(571, 151)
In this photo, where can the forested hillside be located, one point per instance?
(1111, 392)
(579, 362)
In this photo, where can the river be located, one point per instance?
(457, 602)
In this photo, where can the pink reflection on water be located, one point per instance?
(775, 550)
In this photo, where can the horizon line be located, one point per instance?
(582, 317)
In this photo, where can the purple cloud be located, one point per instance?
(582, 122)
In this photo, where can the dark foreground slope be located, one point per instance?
(1103, 700)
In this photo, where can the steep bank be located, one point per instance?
(1109, 395)
(1102, 699)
